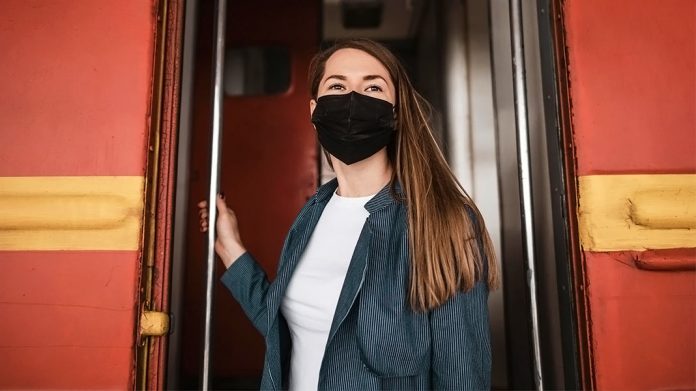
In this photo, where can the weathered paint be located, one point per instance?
(678, 259)
(633, 85)
(637, 212)
(76, 79)
(154, 323)
(166, 173)
(631, 71)
(71, 213)
(67, 319)
(643, 324)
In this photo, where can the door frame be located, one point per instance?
(150, 354)
(570, 273)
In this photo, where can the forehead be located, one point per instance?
(356, 62)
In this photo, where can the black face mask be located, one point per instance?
(353, 126)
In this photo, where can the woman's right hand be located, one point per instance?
(228, 244)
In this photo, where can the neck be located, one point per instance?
(363, 178)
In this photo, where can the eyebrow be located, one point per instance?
(366, 77)
(373, 77)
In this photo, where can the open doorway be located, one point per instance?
(269, 148)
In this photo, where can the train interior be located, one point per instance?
(458, 54)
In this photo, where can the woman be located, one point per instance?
(384, 275)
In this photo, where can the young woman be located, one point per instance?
(384, 276)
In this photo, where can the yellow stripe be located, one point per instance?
(71, 213)
(637, 212)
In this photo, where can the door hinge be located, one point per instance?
(154, 323)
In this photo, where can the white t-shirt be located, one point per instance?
(312, 294)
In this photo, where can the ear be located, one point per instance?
(312, 106)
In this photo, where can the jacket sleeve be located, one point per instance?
(248, 283)
(461, 342)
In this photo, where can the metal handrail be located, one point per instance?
(217, 97)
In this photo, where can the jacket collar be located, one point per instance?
(383, 198)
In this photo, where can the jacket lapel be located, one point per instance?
(355, 276)
(297, 241)
(353, 281)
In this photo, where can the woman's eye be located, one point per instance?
(374, 88)
(336, 87)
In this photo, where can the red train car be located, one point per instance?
(105, 145)
(632, 114)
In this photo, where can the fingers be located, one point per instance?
(221, 205)
(222, 208)
(203, 216)
(203, 221)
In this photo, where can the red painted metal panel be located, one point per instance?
(269, 169)
(633, 95)
(75, 78)
(67, 319)
(76, 83)
(51, 371)
(643, 322)
(633, 84)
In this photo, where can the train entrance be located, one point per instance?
(459, 56)
(268, 167)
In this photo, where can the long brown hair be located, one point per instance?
(443, 240)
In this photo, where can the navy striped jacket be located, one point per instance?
(375, 341)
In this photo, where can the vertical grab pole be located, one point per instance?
(525, 174)
(218, 66)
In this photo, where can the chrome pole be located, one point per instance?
(525, 173)
(218, 67)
